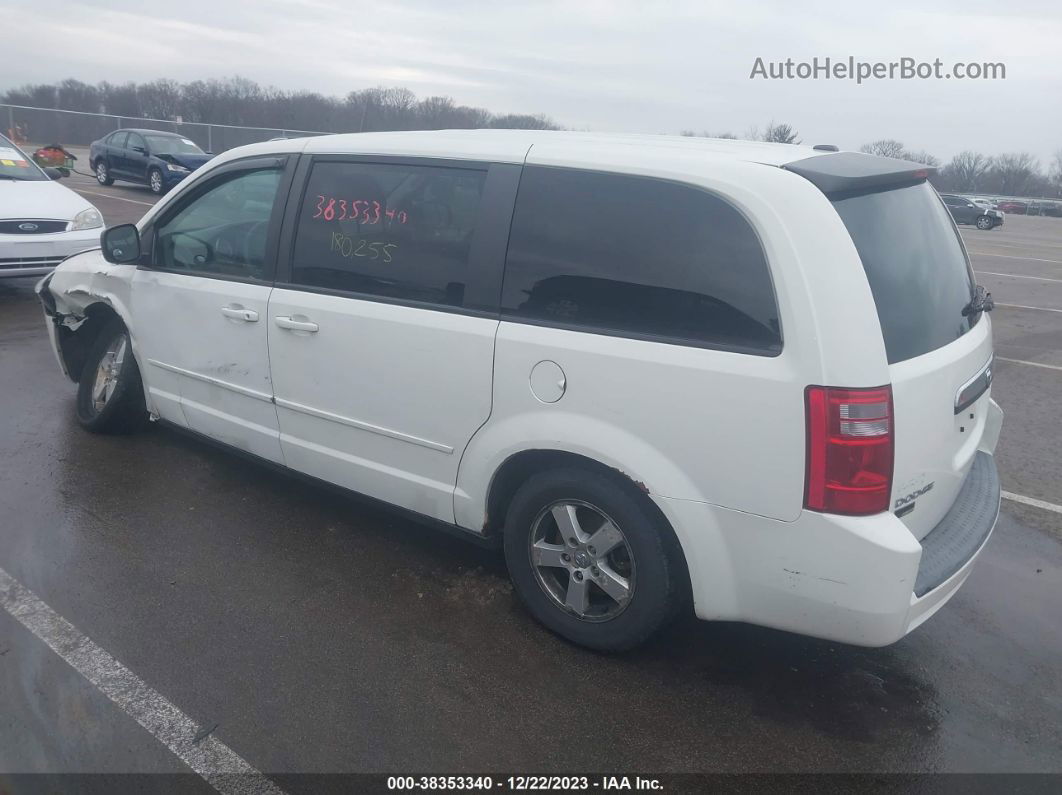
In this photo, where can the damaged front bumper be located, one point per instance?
(52, 321)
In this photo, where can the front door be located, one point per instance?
(200, 307)
(134, 157)
(381, 341)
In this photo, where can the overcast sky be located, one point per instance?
(639, 66)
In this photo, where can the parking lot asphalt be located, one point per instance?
(322, 635)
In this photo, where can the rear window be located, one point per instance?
(916, 266)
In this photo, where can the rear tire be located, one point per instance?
(608, 597)
(158, 187)
(110, 395)
(103, 174)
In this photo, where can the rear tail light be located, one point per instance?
(850, 450)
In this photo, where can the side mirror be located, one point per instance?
(53, 173)
(121, 244)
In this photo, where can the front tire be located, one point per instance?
(110, 396)
(984, 223)
(158, 187)
(590, 560)
(103, 175)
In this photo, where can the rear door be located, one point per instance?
(939, 357)
(382, 331)
(112, 149)
(200, 306)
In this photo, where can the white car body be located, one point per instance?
(422, 408)
(29, 206)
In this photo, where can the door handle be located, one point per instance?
(296, 325)
(239, 313)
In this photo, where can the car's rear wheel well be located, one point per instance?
(74, 344)
(519, 467)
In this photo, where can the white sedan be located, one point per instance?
(41, 221)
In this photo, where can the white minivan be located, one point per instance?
(754, 377)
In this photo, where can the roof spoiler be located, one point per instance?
(856, 171)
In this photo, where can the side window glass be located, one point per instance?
(223, 230)
(118, 139)
(623, 254)
(135, 140)
(393, 231)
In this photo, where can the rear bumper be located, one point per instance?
(860, 580)
(36, 255)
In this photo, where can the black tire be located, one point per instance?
(984, 223)
(156, 181)
(123, 409)
(657, 574)
(103, 173)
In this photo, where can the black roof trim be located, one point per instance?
(855, 171)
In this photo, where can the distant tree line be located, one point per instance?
(242, 102)
(238, 101)
(1009, 174)
(774, 133)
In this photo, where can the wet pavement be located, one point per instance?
(323, 635)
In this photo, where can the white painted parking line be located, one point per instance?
(1016, 276)
(1011, 256)
(219, 765)
(1033, 243)
(111, 196)
(1047, 506)
(1031, 364)
(1023, 306)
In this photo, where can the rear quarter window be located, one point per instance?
(915, 264)
(634, 256)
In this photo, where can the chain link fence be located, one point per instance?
(39, 126)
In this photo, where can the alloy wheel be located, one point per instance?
(582, 560)
(108, 372)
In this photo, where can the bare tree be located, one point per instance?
(160, 99)
(922, 156)
(75, 95)
(885, 147)
(522, 121)
(1013, 174)
(780, 134)
(1056, 173)
(966, 171)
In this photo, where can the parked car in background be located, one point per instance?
(1012, 207)
(982, 201)
(41, 221)
(965, 211)
(157, 159)
(1044, 207)
(756, 376)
